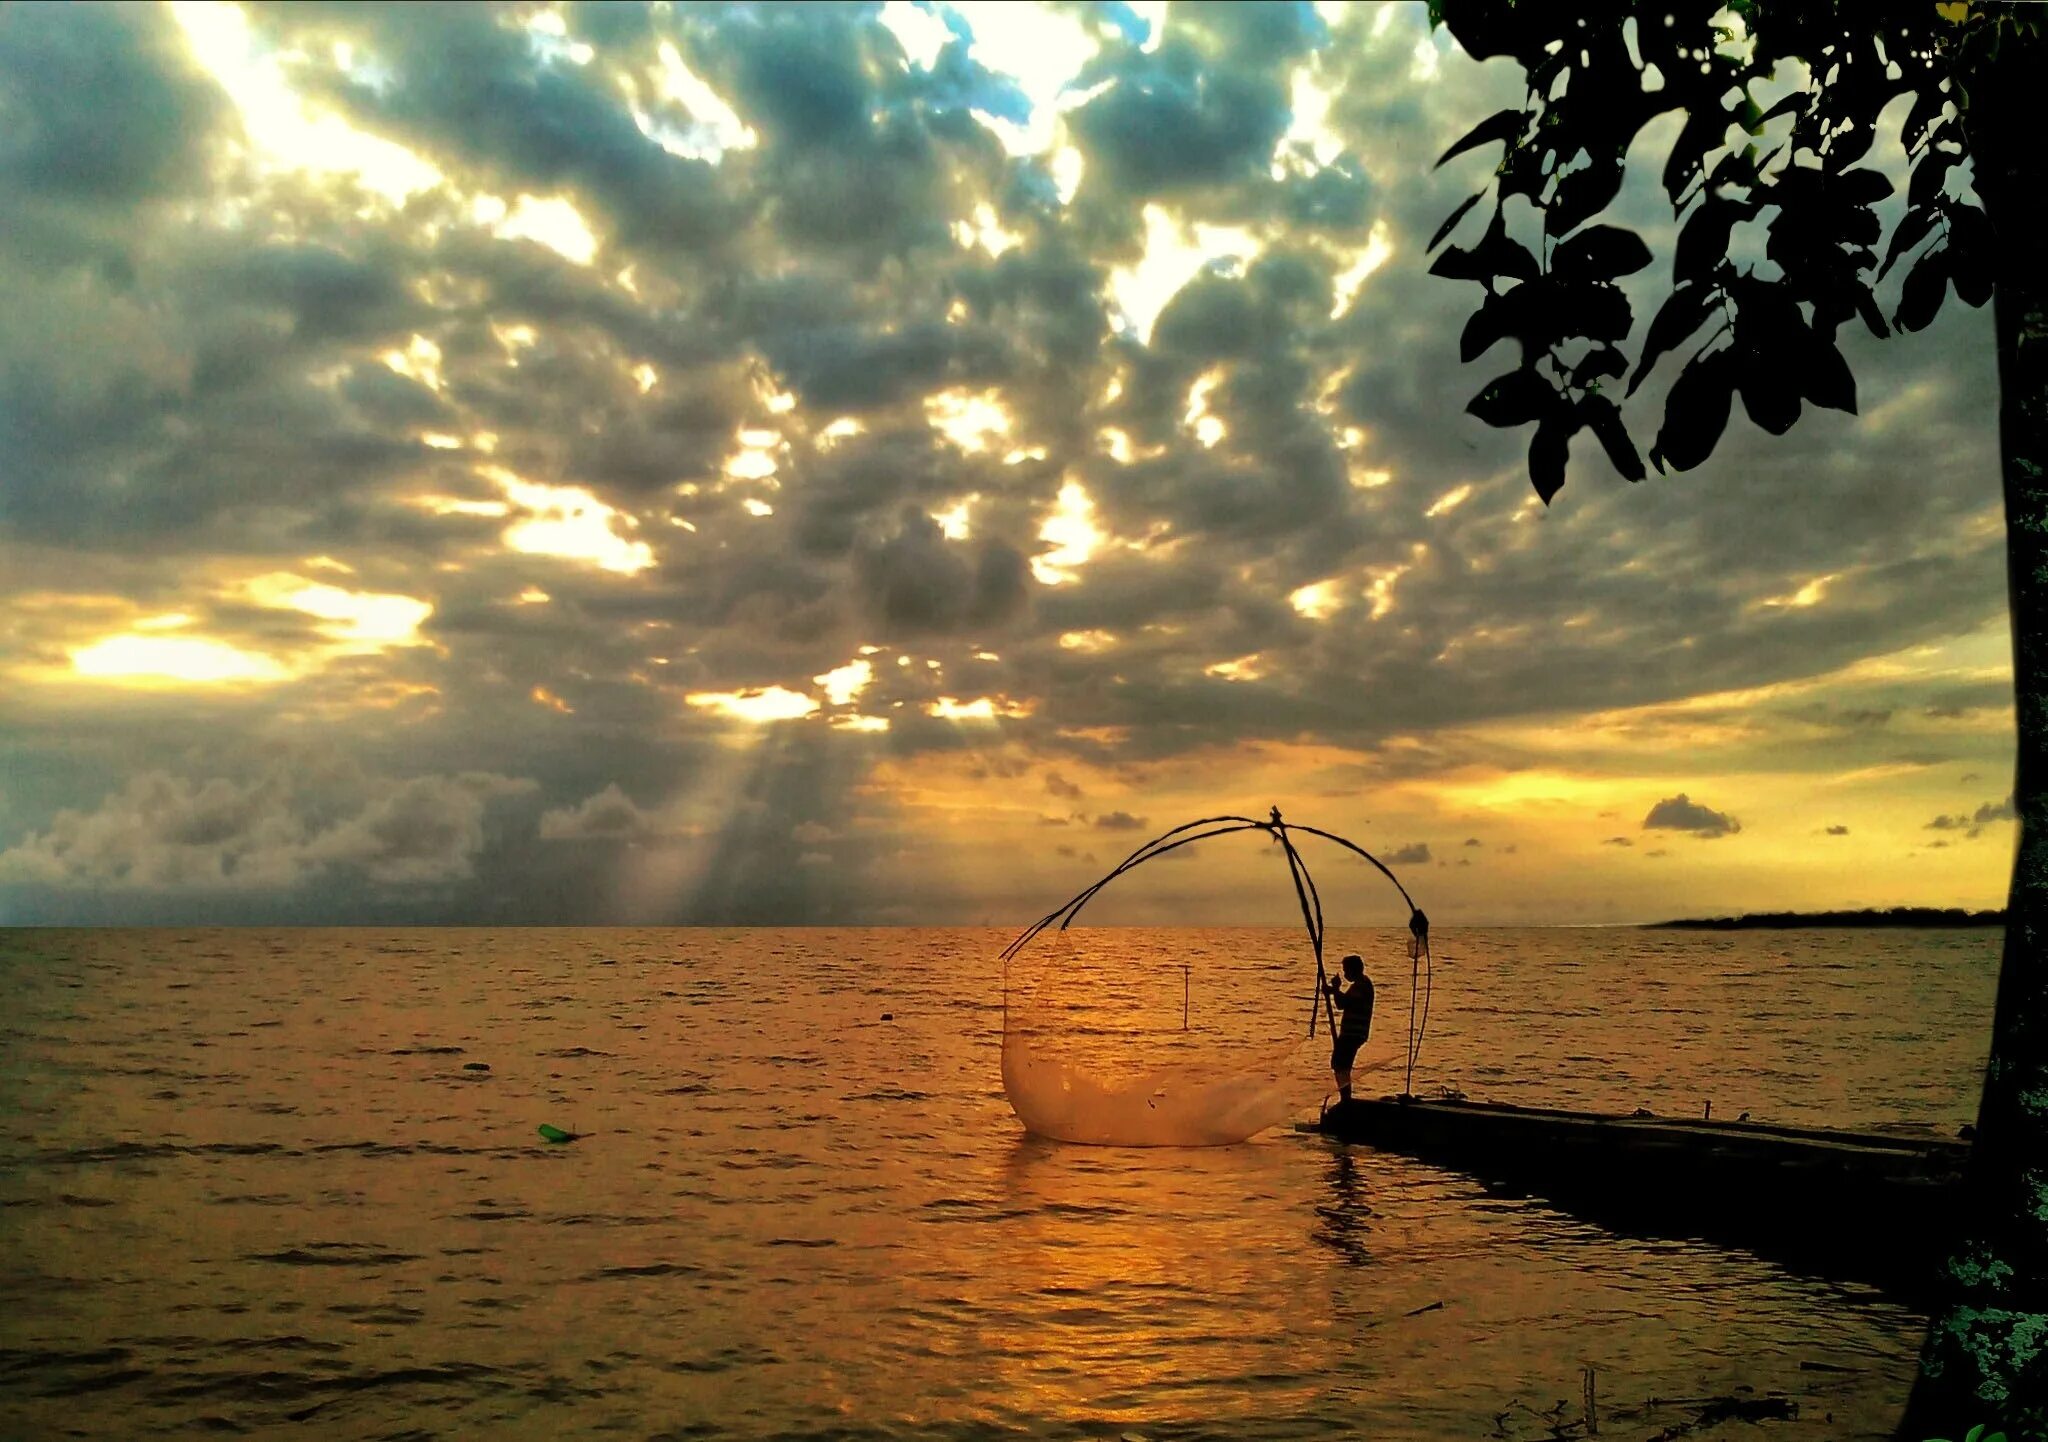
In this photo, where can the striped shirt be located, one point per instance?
(1354, 1005)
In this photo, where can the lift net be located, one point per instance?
(1122, 1037)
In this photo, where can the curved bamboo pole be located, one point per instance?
(1305, 892)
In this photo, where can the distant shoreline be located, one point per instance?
(1915, 916)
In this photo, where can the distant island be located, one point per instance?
(1924, 916)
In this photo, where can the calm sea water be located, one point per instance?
(248, 1181)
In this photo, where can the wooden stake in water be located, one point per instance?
(1183, 996)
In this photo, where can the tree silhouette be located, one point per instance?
(1764, 327)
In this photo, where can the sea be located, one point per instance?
(259, 1181)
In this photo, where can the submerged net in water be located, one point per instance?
(1113, 1037)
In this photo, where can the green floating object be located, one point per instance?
(555, 1134)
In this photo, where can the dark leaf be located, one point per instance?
(1601, 252)
(1451, 222)
(1825, 380)
(1927, 108)
(1703, 243)
(1486, 28)
(1970, 258)
(1502, 125)
(1602, 362)
(1603, 418)
(1768, 395)
(1929, 176)
(1922, 293)
(1702, 131)
(1549, 449)
(1861, 187)
(1858, 227)
(1682, 313)
(1594, 309)
(1866, 306)
(1581, 194)
(1458, 264)
(1912, 230)
(1696, 412)
(1501, 256)
(1797, 100)
(1514, 399)
(1489, 324)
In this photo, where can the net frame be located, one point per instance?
(1309, 898)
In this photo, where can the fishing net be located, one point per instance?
(1116, 1036)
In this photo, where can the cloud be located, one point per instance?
(1119, 821)
(1414, 854)
(608, 815)
(1617, 841)
(1471, 841)
(1059, 786)
(1973, 824)
(163, 832)
(1677, 813)
(1838, 831)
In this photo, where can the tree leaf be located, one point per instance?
(1601, 252)
(1921, 296)
(1502, 125)
(1603, 417)
(1695, 413)
(1873, 318)
(1451, 222)
(1970, 254)
(1682, 313)
(1489, 324)
(1911, 231)
(1504, 257)
(1768, 396)
(1929, 176)
(1602, 362)
(1549, 449)
(1703, 243)
(1861, 187)
(1581, 194)
(1595, 309)
(1928, 105)
(1514, 399)
(1825, 379)
(1701, 132)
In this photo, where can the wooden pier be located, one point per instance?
(1864, 1206)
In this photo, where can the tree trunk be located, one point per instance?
(1986, 1355)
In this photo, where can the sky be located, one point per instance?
(733, 464)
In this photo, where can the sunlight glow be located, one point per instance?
(279, 129)
(1072, 531)
(953, 523)
(1810, 594)
(570, 522)
(921, 34)
(1040, 48)
(843, 683)
(1315, 600)
(754, 506)
(986, 231)
(1244, 668)
(968, 419)
(758, 704)
(552, 222)
(419, 361)
(1174, 255)
(981, 708)
(172, 658)
(366, 620)
(715, 126)
(1379, 249)
(1087, 641)
(1450, 500)
(1209, 429)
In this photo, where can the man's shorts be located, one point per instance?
(1345, 1049)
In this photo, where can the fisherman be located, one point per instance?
(1354, 1003)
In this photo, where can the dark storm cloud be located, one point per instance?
(100, 104)
(917, 581)
(1679, 813)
